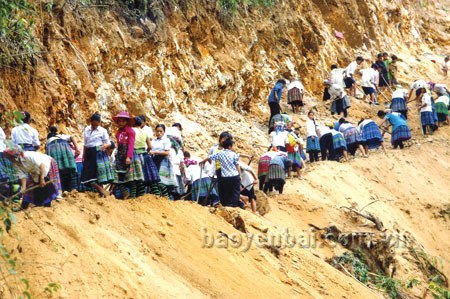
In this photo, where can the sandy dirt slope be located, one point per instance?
(151, 247)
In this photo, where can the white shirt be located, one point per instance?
(246, 176)
(96, 137)
(445, 65)
(363, 124)
(24, 134)
(419, 84)
(176, 159)
(441, 99)
(440, 88)
(351, 68)
(369, 77)
(345, 126)
(193, 172)
(337, 77)
(161, 144)
(59, 137)
(2, 140)
(280, 139)
(324, 130)
(31, 163)
(296, 84)
(310, 128)
(336, 91)
(426, 99)
(400, 93)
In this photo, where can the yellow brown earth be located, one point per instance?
(189, 64)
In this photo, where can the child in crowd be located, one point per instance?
(199, 181)
(295, 95)
(442, 107)
(128, 165)
(248, 180)
(426, 113)
(349, 73)
(312, 142)
(229, 180)
(393, 70)
(295, 149)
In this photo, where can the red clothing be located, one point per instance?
(127, 136)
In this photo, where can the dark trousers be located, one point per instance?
(274, 109)
(326, 144)
(398, 143)
(313, 156)
(229, 191)
(261, 179)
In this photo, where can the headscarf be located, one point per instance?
(189, 162)
(279, 126)
(176, 143)
(327, 82)
(12, 151)
(329, 124)
(431, 84)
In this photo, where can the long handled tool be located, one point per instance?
(9, 199)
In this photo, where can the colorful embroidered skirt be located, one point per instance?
(167, 174)
(205, 186)
(371, 135)
(96, 167)
(296, 159)
(442, 111)
(401, 133)
(7, 171)
(398, 105)
(339, 143)
(127, 173)
(263, 165)
(61, 151)
(427, 118)
(312, 145)
(295, 97)
(43, 195)
(351, 136)
(149, 169)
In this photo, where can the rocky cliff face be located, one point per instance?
(103, 59)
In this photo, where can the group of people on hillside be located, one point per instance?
(334, 141)
(134, 164)
(140, 161)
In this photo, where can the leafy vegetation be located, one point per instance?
(361, 272)
(435, 287)
(230, 8)
(16, 29)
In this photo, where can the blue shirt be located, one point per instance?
(281, 160)
(395, 120)
(279, 89)
(228, 162)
